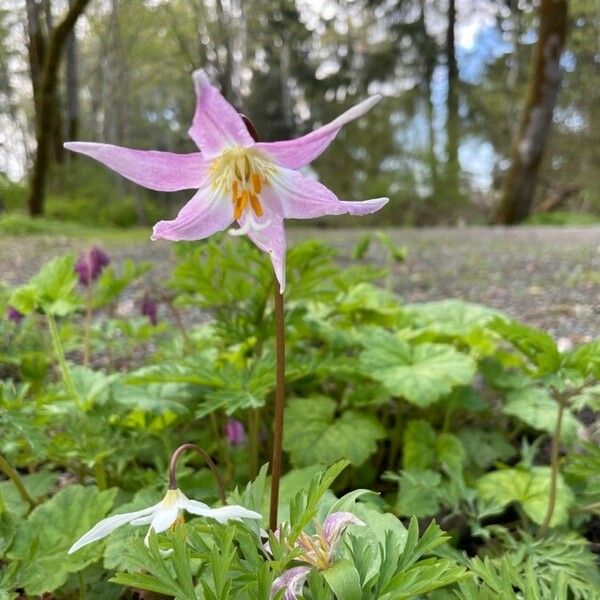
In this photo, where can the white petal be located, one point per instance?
(195, 507)
(221, 514)
(167, 512)
(225, 513)
(142, 521)
(108, 525)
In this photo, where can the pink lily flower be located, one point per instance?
(238, 179)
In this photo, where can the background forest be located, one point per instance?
(455, 76)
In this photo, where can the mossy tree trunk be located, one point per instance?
(544, 83)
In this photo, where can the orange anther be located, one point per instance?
(237, 209)
(256, 206)
(256, 183)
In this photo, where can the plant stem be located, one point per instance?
(100, 475)
(88, 326)
(207, 459)
(253, 435)
(554, 469)
(60, 355)
(81, 585)
(13, 475)
(587, 508)
(279, 406)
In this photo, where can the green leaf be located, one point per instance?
(314, 436)
(536, 407)
(450, 451)
(343, 579)
(419, 492)
(368, 298)
(484, 447)
(55, 284)
(421, 373)
(419, 442)
(450, 317)
(24, 299)
(110, 284)
(585, 360)
(536, 345)
(42, 541)
(531, 489)
(92, 387)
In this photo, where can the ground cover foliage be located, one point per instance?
(433, 423)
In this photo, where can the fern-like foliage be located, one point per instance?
(557, 566)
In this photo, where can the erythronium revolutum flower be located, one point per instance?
(292, 581)
(90, 265)
(168, 511)
(163, 515)
(318, 550)
(238, 179)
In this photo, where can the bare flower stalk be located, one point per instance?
(279, 407)
(553, 470)
(279, 383)
(562, 399)
(207, 459)
(88, 326)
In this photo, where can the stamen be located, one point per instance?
(256, 183)
(256, 206)
(242, 173)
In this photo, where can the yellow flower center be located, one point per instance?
(242, 174)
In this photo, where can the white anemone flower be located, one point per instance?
(163, 515)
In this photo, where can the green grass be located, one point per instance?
(563, 218)
(18, 225)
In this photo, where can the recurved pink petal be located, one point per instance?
(295, 196)
(206, 213)
(268, 233)
(334, 526)
(216, 125)
(162, 171)
(297, 153)
(291, 581)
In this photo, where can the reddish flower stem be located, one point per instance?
(207, 459)
(279, 406)
(279, 383)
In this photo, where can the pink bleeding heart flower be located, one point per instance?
(149, 308)
(90, 265)
(235, 432)
(14, 315)
(318, 551)
(238, 179)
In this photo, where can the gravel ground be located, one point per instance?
(546, 276)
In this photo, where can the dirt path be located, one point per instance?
(548, 277)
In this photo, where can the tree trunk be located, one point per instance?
(36, 49)
(58, 151)
(47, 107)
(72, 88)
(544, 83)
(452, 169)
